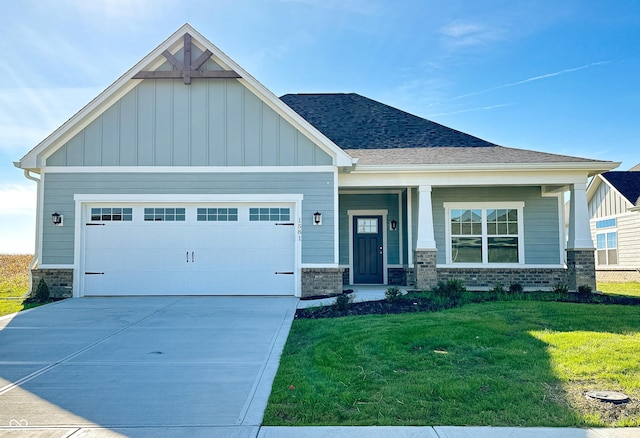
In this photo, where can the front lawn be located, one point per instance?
(521, 363)
(630, 289)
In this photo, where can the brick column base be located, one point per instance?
(581, 268)
(321, 281)
(426, 275)
(59, 281)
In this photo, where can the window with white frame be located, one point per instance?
(607, 242)
(485, 233)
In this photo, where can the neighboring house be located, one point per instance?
(188, 176)
(614, 208)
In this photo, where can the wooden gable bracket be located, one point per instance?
(187, 69)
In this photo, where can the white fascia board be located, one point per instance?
(188, 169)
(592, 167)
(34, 158)
(453, 178)
(593, 186)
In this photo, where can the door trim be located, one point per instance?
(383, 213)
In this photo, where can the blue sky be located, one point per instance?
(559, 76)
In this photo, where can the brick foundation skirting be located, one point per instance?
(487, 278)
(59, 281)
(618, 275)
(321, 281)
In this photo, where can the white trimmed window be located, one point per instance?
(607, 242)
(485, 233)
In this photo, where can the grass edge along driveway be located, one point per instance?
(491, 364)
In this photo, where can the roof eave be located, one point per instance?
(591, 167)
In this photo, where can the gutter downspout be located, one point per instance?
(36, 257)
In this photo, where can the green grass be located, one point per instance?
(629, 289)
(521, 363)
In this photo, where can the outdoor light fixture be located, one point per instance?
(57, 218)
(317, 218)
(393, 224)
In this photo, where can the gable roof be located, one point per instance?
(34, 159)
(627, 183)
(356, 122)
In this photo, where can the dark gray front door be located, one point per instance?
(368, 252)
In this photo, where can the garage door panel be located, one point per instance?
(190, 257)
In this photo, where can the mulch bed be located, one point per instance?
(409, 303)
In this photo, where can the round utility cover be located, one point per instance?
(609, 396)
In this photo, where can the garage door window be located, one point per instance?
(112, 214)
(217, 215)
(269, 214)
(164, 214)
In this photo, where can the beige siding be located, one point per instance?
(629, 240)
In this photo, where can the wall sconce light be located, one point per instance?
(393, 224)
(57, 219)
(317, 218)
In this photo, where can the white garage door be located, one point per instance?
(236, 249)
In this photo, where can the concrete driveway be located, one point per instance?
(148, 366)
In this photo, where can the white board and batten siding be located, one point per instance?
(607, 202)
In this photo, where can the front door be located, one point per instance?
(368, 252)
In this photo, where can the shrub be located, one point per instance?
(393, 294)
(453, 288)
(515, 288)
(343, 301)
(560, 288)
(498, 288)
(41, 294)
(584, 289)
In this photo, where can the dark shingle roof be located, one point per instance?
(627, 183)
(355, 122)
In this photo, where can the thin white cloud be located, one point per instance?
(532, 79)
(468, 110)
(460, 33)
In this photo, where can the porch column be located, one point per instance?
(425, 251)
(581, 268)
(426, 236)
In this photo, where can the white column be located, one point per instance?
(426, 236)
(579, 230)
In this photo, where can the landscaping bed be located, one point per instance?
(431, 301)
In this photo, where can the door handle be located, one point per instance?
(187, 256)
(193, 258)
(380, 250)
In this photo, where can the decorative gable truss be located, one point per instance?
(188, 69)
